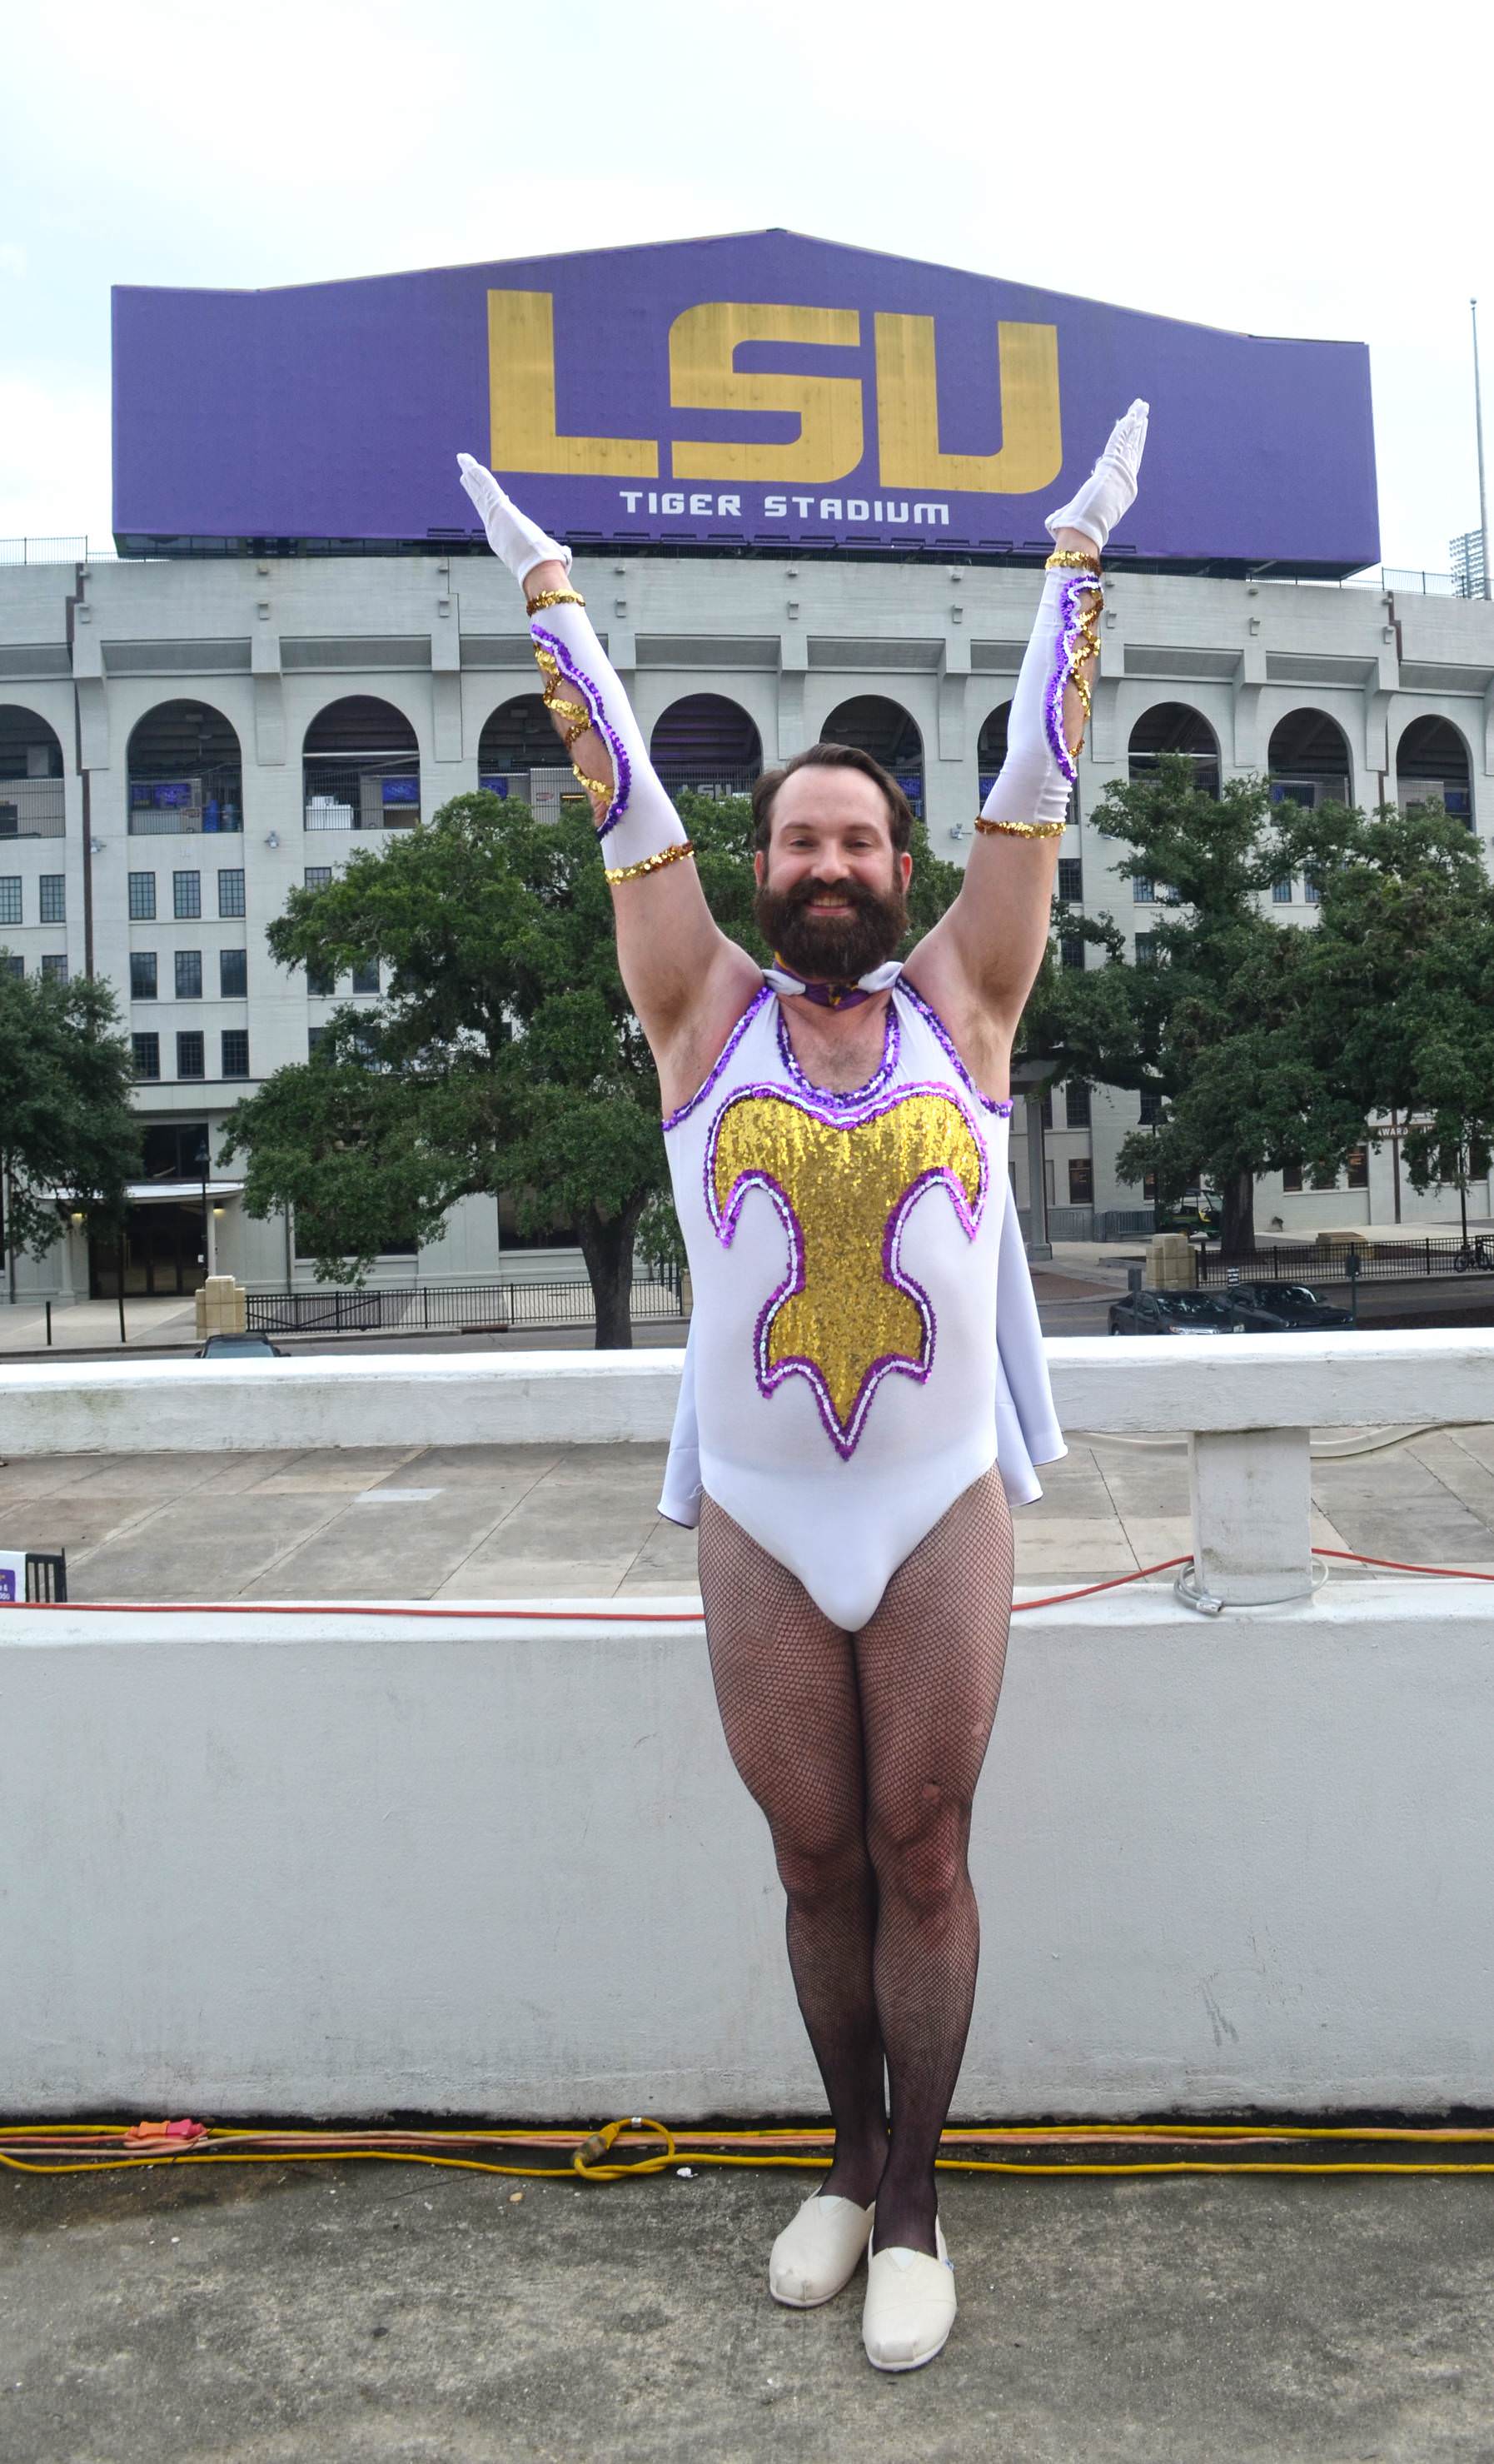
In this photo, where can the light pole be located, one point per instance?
(1478, 421)
(202, 1159)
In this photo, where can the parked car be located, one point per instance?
(1291, 1306)
(1173, 1313)
(1199, 1212)
(240, 1347)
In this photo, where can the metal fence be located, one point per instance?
(1379, 1262)
(455, 1309)
(32, 808)
(46, 1574)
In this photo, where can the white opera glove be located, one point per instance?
(1110, 488)
(511, 535)
(636, 822)
(1033, 785)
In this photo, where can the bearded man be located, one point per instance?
(864, 1391)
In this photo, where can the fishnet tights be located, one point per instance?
(864, 1751)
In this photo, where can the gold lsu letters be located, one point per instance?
(832, 439)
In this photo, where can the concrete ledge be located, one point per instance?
(1147, 1382)
(262, 1863)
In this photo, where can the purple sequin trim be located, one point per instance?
(771, 1375)
(938, 1028)
(891, 1046)
(1073, 589)
(683, 1110)
(621, 766)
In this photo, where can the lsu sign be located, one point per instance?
(763, 390)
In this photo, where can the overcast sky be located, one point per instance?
(1308, 169)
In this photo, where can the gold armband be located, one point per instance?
(1021, 830)
(1070, 559)
(544, 599)
(614, 873)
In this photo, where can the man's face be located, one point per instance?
(832, 893)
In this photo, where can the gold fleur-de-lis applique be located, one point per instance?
(846, 1314)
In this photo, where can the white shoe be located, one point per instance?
(910, 2306)
(816, 2255)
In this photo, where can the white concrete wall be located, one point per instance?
(1270, 1383)
(320, 1864)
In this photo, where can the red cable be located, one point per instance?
(630, 1617)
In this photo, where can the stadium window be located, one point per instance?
(320, 980)
(142, 975)
(1143, 889)
(1150, 1111)
(186, 896)
(1072, 950)
(55, 966)
(191, 1060)
(54, 898)
(1312, 888)
(1322, 1178)
(1071, 880)
(1076, 1104)
(365, 975)
(1081, 1182)
(143, 898)
(317, 875)
(230, 894)
(233, 975)
(1291, 1177)
(315, 1038)
(9, 898)
(235, 1052)
(11, 964)
(1047, 1109)
(188, 974)
(1146, 948)
(1280, 891)
(1359, 1167)
(146, 1050)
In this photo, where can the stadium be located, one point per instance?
(804, 486)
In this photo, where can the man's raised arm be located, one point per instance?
(991, 939)
(674, 959)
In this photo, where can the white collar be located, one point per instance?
(877, 980)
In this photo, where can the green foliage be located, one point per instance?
(504, 1056)
(1210, 1022)
(65, 1120)
(1403, 991)
(1272, 1044)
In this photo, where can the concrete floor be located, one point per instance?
(373, 2314)
(524, 1522)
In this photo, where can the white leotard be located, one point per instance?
(847, 1371)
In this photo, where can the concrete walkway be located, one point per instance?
(380, 2314)
(579, 1522)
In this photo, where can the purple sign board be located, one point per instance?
(763, 389)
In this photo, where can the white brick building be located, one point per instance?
(181, 743)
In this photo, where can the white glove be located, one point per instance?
(1110, 488)
(511, 535)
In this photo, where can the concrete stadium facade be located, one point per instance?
(126, 839)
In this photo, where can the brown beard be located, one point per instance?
(835, 950)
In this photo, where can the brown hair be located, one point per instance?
(832, 757)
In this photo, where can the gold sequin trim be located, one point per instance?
(615, 872)
(849, 1319)
(578, 719)
(1021, 829)
(1069, 560)
(544, 599)
(1086, 647)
